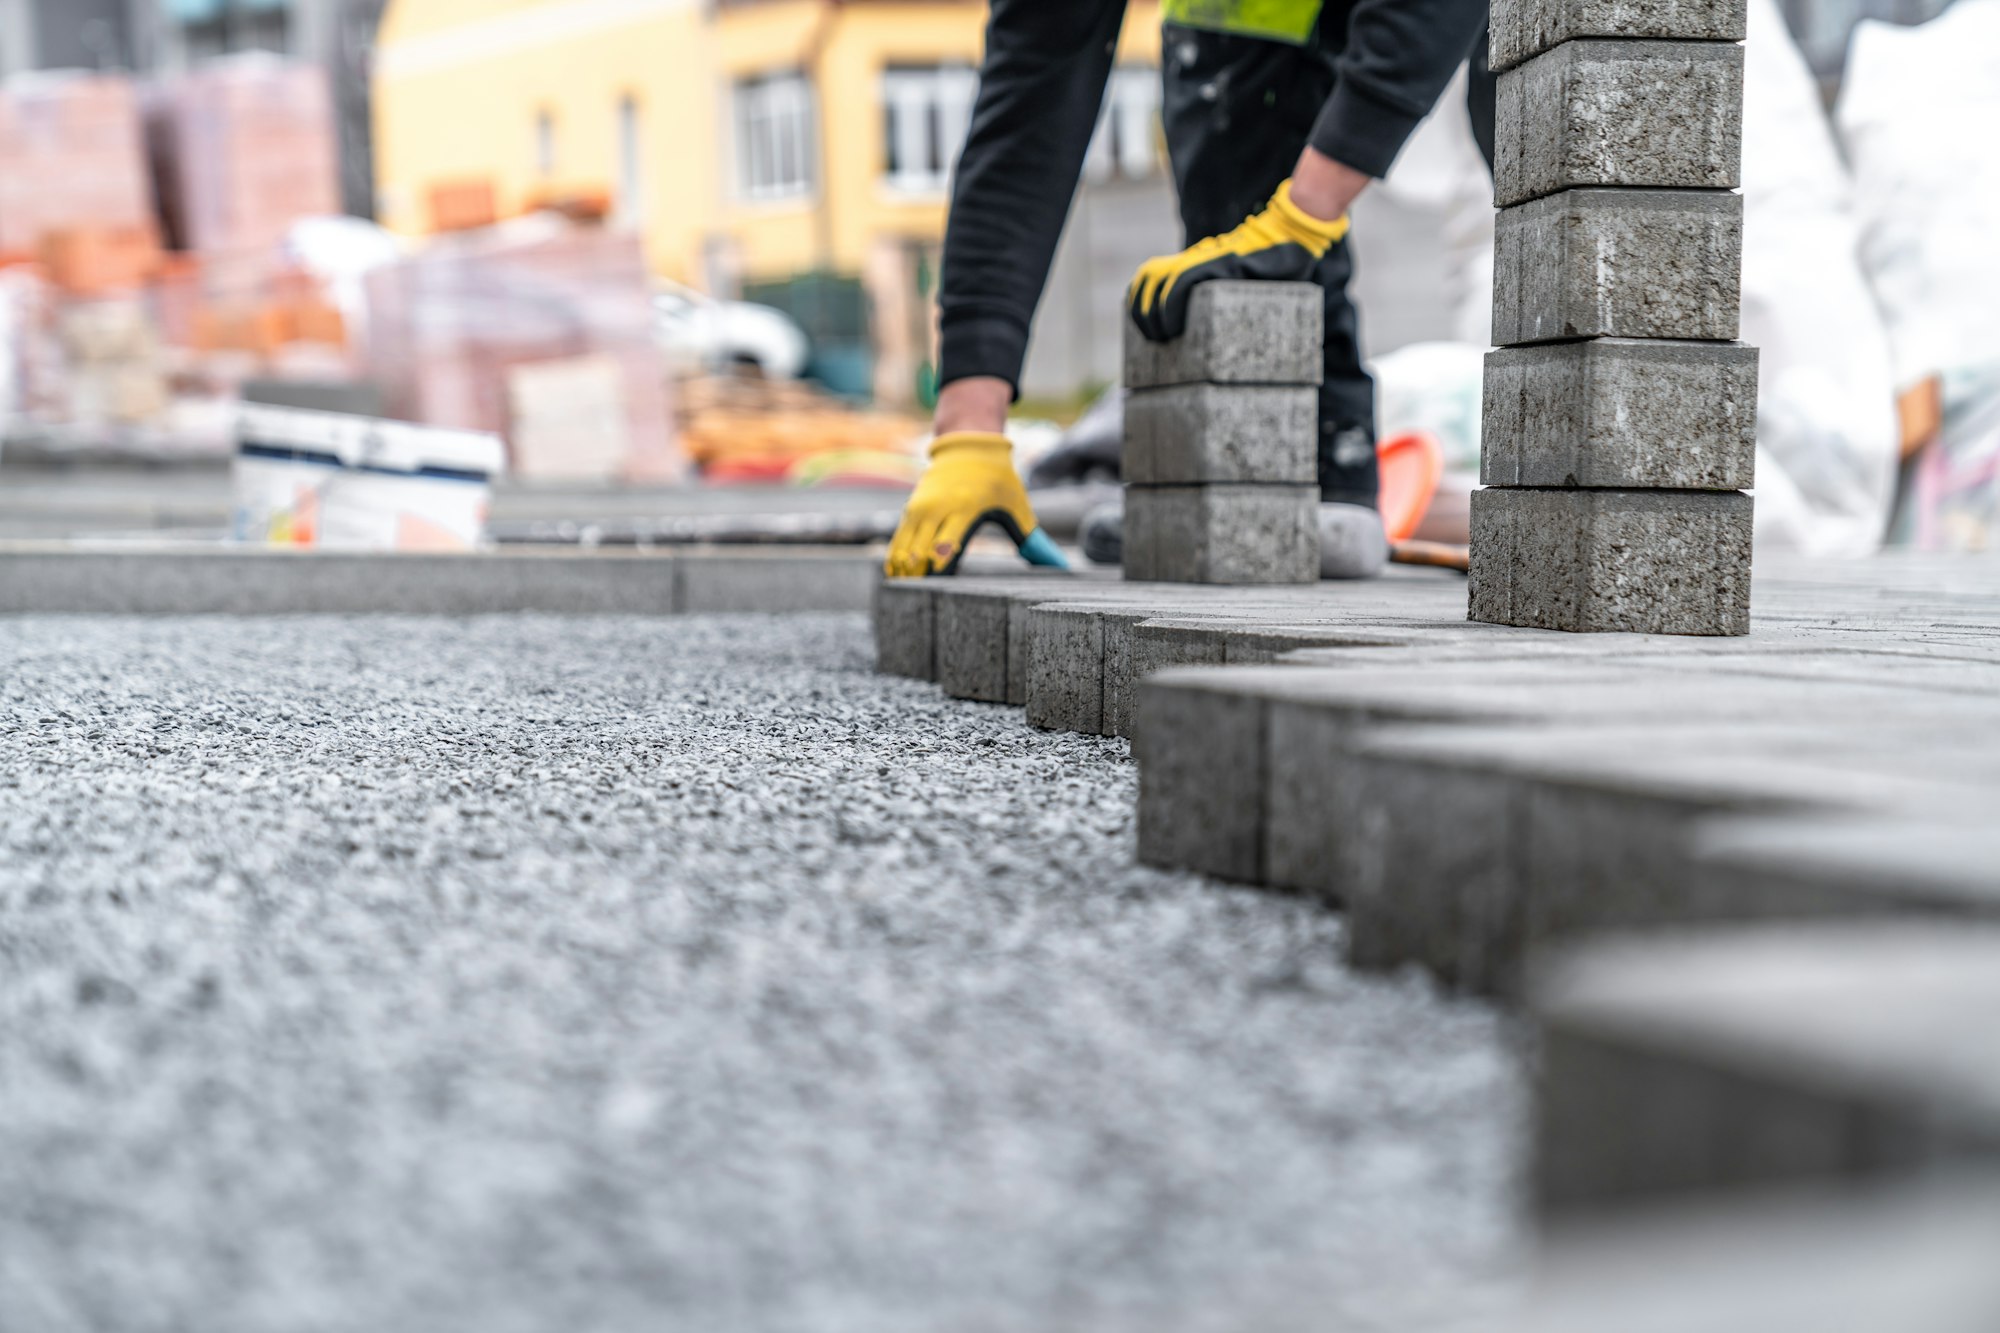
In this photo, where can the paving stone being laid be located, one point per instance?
(1796, 1053)
(1618, 263)
(1650, 561)
(1649, 114)
(1522, 29)
(1915, 1258)
(1238, 332)
(1253, 433)
(522, 973)
(1621, 412)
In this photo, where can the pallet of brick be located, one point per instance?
(1221, 429)
(72, 154)
(251, 147)
(1619, 424)
(450, 327)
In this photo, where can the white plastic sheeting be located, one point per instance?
(1920, 117)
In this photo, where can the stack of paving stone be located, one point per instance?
(1221, 430)
(1620, 412)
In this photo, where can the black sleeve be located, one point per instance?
(1399, 56)
(1040, 87)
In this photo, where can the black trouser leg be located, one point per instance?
(1040, 87)
(1237, 112)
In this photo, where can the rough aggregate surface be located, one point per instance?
(597, 973)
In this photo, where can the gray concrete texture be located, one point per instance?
(1238, 332)
(1618, 263)
(202, 579)
(1222, 433)
(1222, 534)
(517, 973)
(1653, 562)
(1619, 412)
(1916, 1258)
(1523, 29)
(1620, 113)
(1796, 1053)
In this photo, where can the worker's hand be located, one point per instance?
(1280, 244)
(971, 480)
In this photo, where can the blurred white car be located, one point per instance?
(698, 332)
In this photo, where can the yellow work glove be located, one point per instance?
(971, 480)
(1280, 244)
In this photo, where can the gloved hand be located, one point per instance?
(1280, 244)
(970, 481)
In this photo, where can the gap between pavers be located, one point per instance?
(208, 580)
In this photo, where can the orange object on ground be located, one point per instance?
(96, 261)
(1409, 466)
(463, 205)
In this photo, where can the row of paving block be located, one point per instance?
(1743, 891)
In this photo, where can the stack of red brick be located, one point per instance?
(466, 332)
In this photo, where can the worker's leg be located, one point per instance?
(1040, 88)
(1481, 87)
(1237, 112)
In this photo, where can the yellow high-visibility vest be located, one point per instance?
(1275, 20)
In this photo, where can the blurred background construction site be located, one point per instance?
(600, 252)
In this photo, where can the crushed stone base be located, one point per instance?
(598, 973)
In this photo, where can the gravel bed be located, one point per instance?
(531, 973)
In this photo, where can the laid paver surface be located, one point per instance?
(604, 973)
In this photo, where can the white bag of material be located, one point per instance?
(1919, 113)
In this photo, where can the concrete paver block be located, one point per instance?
(1222, 534)
(1237, 332)
(1615, 263)
(1222, 433)
(1650, 113)
(1804, 1053)
(1065, 670)
(1523, 29)
(906, 628)
(973, 644)
(1916, 1258)
(1201, 777)
(1654, 562)
(1138, 650)
(1618, 412)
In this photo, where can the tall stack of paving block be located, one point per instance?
(1221, 431)
(1620, 411)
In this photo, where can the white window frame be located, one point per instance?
(926, 111)
(631, 202)
(775, 137)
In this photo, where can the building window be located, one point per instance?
(925, 112)
(631, 200)
(545, 143)
(213, 28)
(774, 137)
(1126, 143)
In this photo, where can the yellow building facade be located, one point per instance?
(748, 141)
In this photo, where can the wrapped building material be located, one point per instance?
(450, 326)
(247, 147)
(72, 155)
